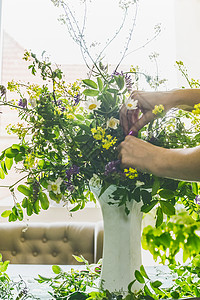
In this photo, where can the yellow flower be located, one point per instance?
(131, 173)
(98, 134)
(158, 109)
(108, 142)
(196, 110)
(93, 130)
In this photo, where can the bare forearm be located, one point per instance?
(183, 164)
(185, 98)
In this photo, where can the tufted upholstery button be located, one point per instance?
(14, 252)
(22, 239)
(65, 239)
(44, 239)
(54, 253)
(35, 253)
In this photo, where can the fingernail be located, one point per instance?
(132, 132)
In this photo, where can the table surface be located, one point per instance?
(29, 272)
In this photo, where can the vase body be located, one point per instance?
(122, 243)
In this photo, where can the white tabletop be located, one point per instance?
(29, 272)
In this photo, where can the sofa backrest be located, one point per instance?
(51, 243)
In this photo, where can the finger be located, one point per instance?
(145, 119)
(124, 120)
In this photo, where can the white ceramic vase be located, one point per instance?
(122, 243)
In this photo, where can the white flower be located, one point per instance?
(113, 123)
(54, 186)
(95, 181)
(131, 104)
(92, 104)
(32, 102)
(139, 183)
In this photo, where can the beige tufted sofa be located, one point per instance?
(51, 243)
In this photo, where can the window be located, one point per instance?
(33, 24)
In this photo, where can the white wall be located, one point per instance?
(187, 25)
(1, 33)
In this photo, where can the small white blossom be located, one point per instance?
(54, 186)
(113, 123)
(92, 104)
(139, 183)
(32, 102)
(95, 181)
(131, 104)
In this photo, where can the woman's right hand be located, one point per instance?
(146, 103)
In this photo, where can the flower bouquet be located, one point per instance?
(68, 141)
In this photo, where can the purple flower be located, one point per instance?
(23, 102)
(128, 82)
(111, 167)
(77, 99)
(197, 199)
(127, 79)
(59, 102)
(69, 186)
(72, 171)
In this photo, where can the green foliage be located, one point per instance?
(9, 289)
(178, 233)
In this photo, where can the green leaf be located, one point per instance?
(77, 207)
(130, 286)
(136, 194)
(195, 188)
(44, 200)
(19, 212)
(11, 152)
(53, 196)
(77, 258)
(2, 175)
(29, 208)
(166, 194)
(44, 183)
(139, 277)
(175, 295)
(120, 81)
(146, 196)
(147, 207)
(100, 83)
(143, 272)
(19, 157)
(56, 269)
(3, 165)
(147, 290)
(167, 208)
(6, 213)
(113, 91)
(2, 155)
(8, 162)
(156, 186)
(24, 190)
(156, 284)
(90, 83)
(36, 207)
(12, 217)
(159, 217)
(80, 117)
(16, 146)
(91, 93)
(81, 138)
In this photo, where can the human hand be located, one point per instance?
(129, 119)
(136, 153)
